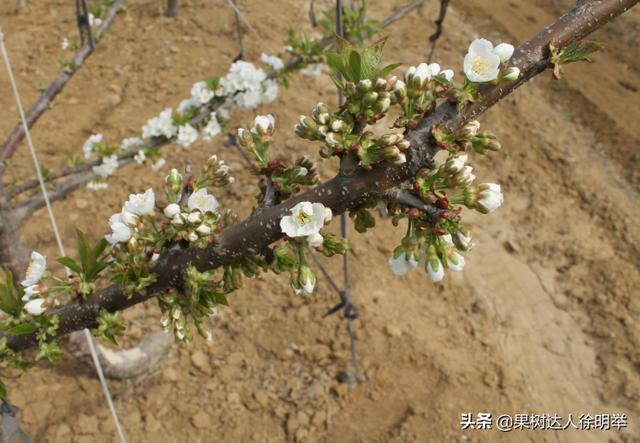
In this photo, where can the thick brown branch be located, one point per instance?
(12, 142)
(342, 192)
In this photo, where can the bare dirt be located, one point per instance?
(545, 317)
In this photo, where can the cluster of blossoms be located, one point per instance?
(35, 303)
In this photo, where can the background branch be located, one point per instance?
(12, 142)
(204, 112)
(340, 193)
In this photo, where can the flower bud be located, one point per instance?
(339, 126)
(204, 230)
(333, 138)
(264, 125)
(470, 128)
(172, 210)
(315, 240)
(389, 139)
(194, 217)
(382, 106)
(370, 98)
(244, 138)
(455, 261)
(193, 237)
(306, 279)
(177, 220)
(512, 74)
(364, 85)
(462, 240)
(489, 198)
(381, 84)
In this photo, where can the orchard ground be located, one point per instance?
(545, 317)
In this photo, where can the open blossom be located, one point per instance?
(141, 204)
(140, 157)
(312, 70)
(96, 185)
(160, 126)
(481, 64)
(121, 232)
(35, 270)
(306, 219)
(264, 124)
(158, 164)
(132, 142)
(435, 270)
(187, 104)
(202, 201)
(108, 166)
(35, 307)
(489, 197)
(401, 265)
(212, 128)
(187, 135)
(89, 145)
(201, 92)
(272, 60)
(252, 82)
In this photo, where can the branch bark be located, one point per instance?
(340, 193)
(12, 142)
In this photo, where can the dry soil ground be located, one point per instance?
(545, 317)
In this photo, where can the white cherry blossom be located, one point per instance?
(35, 270)
(306, 219)
(202, 201)
(141, 204)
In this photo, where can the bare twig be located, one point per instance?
(433, 38)
(340, 193)
(236, 16)
(12, 142)
(400, 13)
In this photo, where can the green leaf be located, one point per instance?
(99, 248)
(24, 328)
(335, 62)
(3, 391)
(355, 66)
(387, 69)
(371, 57)
(70, 263)
(83, 249)
(10, 298)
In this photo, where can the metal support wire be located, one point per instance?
(349, 310)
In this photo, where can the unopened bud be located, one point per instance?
(364, 85)
(370, 98)
(512, 74)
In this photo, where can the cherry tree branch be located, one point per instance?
(36, 111)
(204, 112)
(342, 192)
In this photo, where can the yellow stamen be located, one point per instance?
(479, 65)
(302, 218)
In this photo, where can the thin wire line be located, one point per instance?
(244, 19)
(56, 232)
